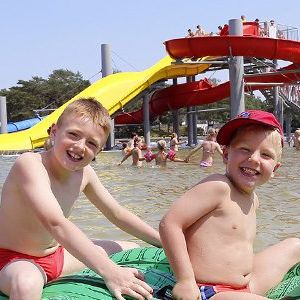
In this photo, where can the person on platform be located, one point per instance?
(190, 34)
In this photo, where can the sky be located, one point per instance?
(39, 36)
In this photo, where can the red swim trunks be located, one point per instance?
(52, 264)
(208, 290)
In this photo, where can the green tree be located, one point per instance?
(38, 93)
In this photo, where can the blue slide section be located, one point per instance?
(22, 125)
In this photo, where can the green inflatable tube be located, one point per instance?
(153, 263)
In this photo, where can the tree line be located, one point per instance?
(39, 93)
(61, 85)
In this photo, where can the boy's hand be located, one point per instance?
(128, 281)
(186, 290)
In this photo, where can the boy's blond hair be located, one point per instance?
(88, 108)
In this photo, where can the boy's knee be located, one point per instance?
(127, 245)
(295, 242)
(112, 247)
(24, 285)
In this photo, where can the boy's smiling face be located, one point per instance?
(77, 141)
(251, 158)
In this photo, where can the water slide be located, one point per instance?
(202, 92)
(113, 91)
(118, 89)
(22, 125)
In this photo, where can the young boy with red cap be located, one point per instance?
(214, 223)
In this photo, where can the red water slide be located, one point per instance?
(203, 92)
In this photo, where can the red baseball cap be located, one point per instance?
(245, 118)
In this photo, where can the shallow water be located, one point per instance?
(149, 191)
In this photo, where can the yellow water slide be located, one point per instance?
(113, 91)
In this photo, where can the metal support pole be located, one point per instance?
(236, 73)
(194, 117)
(288, 127)
(106, 60)
(146, 117)
(278, 109)
(107, 70)
(175, 116)
(195, 121)
(3, 115)
(189, 119)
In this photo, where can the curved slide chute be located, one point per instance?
(201, 92)
(247, 46)
(113, 92)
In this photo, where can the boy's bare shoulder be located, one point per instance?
(219, 182)
(28, 161)
(28, 157)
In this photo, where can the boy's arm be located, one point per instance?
(34, 186)
(187, 210)
(116, 213)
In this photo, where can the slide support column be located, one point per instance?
(3, 115)
(194, 119)
(236, 73)
(278, 105)
(175, 115)
(288, 125)
(146, 118)
(107, 70)
(189, 119)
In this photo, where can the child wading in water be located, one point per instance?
(135, 153)
(38, 243)
(161, 156)
(209, 147)
(214, 223)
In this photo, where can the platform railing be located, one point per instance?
(287, 32)
(282, 31)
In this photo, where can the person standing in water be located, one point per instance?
(209, 147)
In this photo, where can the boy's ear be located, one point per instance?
(53, 130)
(225, 154)
(275, 169)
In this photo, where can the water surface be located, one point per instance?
(149, 191)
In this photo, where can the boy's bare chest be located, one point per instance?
(66, 194)
(240, 220)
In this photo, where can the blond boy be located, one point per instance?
(38, 243)
(214, 223)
